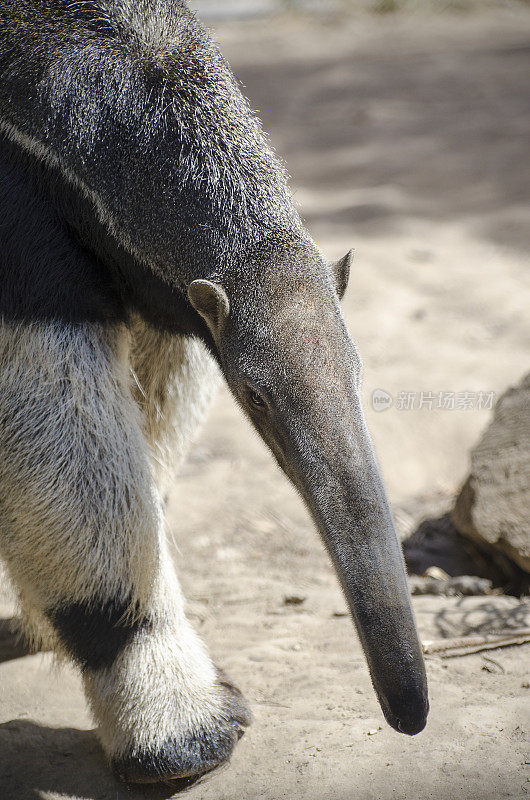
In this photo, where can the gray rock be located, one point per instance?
(493, 507)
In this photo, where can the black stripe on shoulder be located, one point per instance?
(45, 273)
(95, 634)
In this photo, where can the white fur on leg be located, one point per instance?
(81, 520)
(78, 508)
(161, 687)
(176, 381)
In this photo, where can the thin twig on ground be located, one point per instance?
(466, 645)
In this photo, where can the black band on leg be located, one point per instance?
(95, 634)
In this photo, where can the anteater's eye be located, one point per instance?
(256, 400)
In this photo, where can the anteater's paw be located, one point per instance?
(186, 758)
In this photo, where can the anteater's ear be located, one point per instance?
(211, 301)
(341, 273)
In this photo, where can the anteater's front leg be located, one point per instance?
(82, 534)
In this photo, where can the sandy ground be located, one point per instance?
(407, 137)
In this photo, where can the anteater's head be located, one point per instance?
(286, 354)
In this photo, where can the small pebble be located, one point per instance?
(293, 600)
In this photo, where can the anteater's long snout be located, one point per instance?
(309, 414)
(340, 481)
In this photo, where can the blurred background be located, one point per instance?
(239, 9)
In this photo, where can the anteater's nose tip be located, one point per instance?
(412, 726)
(406, 718)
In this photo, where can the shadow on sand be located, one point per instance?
(36, 761)
(443, 128)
